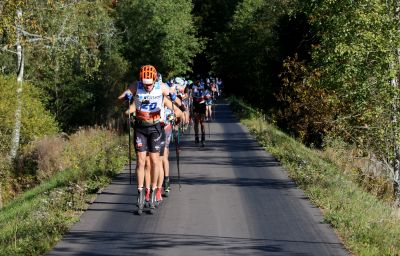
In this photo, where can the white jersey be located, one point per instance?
(149, 104)
(198, 93)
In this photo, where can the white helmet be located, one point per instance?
(179, 81)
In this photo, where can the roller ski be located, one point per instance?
(158, 197)
(140, 201)
(167, 188)
(147, 198)
(152, 205)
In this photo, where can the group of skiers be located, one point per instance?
(158, 113)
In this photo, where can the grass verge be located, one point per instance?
(33, 222)
(367, 226)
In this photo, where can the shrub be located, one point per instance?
(36, 122)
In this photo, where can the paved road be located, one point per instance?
(236, 200)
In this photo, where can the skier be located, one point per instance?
(147, 94)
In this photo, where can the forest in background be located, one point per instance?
(325, 72)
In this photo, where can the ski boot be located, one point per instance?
(152, 201)
(147, 198)
(158, 197)
(167, 187)
(196, 139)
(140, 201)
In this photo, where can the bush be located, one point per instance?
(33, 222)
(36, 122)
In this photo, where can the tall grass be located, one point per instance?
(367, 225)
(66, 176)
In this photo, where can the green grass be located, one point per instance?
(34, 221)
(366, 225)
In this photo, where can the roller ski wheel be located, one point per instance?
(166, 193)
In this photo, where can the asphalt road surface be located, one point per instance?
(235, 200)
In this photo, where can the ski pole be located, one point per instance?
(190, 111)
(129, 141)
(213, 106)
(209, 135)
(176, 148)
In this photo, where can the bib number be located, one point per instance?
(151, 106)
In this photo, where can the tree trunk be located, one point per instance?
(395, 84)
(20, 61)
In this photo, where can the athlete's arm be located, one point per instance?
(166, 90)
(177, 112)
(131, 89)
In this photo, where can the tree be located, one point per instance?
(359, 64)
(66, 42)
(160, 33)
(249, 60)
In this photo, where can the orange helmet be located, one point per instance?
(148, 74)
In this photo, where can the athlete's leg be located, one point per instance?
(140, 164)
(196, 126)
(186, 114)
(147, 178)
(201, 120)
(160, 178)
(147, 168)
(161, 172)
(165, 160)
(165, 163)
(141, 150)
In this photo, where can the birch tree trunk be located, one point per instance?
(395, 84)
(20, 77)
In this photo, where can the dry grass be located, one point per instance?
(365, 169)
(33, 221)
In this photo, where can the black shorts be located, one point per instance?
(148, 138)
(199, 108)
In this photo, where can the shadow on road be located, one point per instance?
(160, 244)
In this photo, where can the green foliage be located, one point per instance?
(305, 110)
(36, 121)
(356, 59)
(249, 57)
(325, 67)
(160, 33)
(69, 47)
(211, 18)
